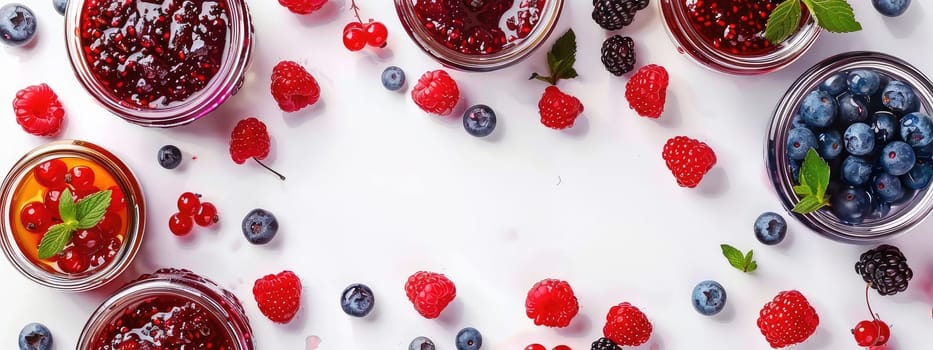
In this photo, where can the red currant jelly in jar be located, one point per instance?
(479, 27)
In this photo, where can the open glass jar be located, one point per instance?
(171, 309)
(883, 221)
(159, 64)
(484, 37)
(29, 206)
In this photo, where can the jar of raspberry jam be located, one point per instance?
(168, 309)
(899, 217)
(479, 35)
(728, 35)
(31, 192)
(159, 63)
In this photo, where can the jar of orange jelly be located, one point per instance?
(31, 193)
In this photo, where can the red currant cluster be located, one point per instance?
(356, 35)
(872, 333)
(190, 211)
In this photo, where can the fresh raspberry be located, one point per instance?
(647, 91)
(788, 319)
(688, 160)
(626, 325)
(249, 140)
(38, 110)
(558, 110)
(303, 7)
(436, 92)
(293, 87)
(551, 303)
(430, 293)
(278, 296)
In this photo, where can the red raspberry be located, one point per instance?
(647, 91)
(626, 325)
(436, 92)
(688, 160)
(303, 7)
(430, 293)
(278, 296)
(551, 303)
(38, 110)
(293, 87)
(249, 140)
(788, 319)
(558, 110)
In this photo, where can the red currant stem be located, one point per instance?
(281, 177)
(356, 11)
(867, 288)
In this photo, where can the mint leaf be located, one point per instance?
(783, 21)
(67, 210)
(835, 16)
(750, 265)
(91, 209)
(742, 262)
(55, 240)
(814, 179)
(560, 59)
(802, 190)
(808, 205)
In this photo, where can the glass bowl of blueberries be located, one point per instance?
(850, 147)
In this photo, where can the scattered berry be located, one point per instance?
(788, 319)
(871, 333)
(293, 87)
(37, 108)
(618, 54)
(421, 343)
(189, 203)
(251, 140)
(646, 92)
(604, 344)
(891, 8)
(393, 78)
(169, 157)
(535, 347)
(206, 215)
(558, 110)
(688, 159)
(180, 224)
(35, 217)
(430, 293)
(709, 298)
(479, 120)
(615, 14)
(469, 339)
(259, 226)
(626, 325)
(354, 36)
(60, 5)
(885, 269)
(376, 34)
(17, 25)
(562, 347)
(278, 296)
(436, 92)
(357, 300)
(35, 336)
(551, 303)
(770, 228)
(303, 7)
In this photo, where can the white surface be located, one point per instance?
(377, 190)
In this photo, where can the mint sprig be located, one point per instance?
(835, 16)
(560, 59)
(83, 214)
(813, 182)
(742, 262)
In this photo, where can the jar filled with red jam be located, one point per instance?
(478, 35)
(93, 254)
(159, 63)
(728, 35)
(168, 309)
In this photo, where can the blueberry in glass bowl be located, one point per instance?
(877, 144)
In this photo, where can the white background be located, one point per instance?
(377, 190)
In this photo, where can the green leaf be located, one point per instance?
(91, 209)
(802, 190)
(835, 16)
(783, 21)
(55, 240)
(814, 179)
(735, 257)
(560, 59)
(67, 210)
(808, 205)
(752, 266)
(748, 261)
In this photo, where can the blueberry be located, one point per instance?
(830, 144)
(859, 139)
(891, 8)
(885, 126)
(799, 141)
(852, 108)
(60, 5)
(880, 209)
(421, 343)
(797, 121)
(393, 78)
(259, 226)
(917, 129)
(888, 187)
(35, 336)
(469, 339)
(863, 82)
(900, 97)
(818, 109)
(919, 177)
(856, 170)
(850, 205)
(770, 228)
(17, 24)
(709, 298)
(897, 158)
(357, 300)
(169, 157)
(479, 120)
(795, 170)
(835, 84)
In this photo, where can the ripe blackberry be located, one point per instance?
(604, 344)
(615, 14)
(618, 54)
(885, 268)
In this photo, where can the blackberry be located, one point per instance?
(615, 14)
(604, 344)
(618, 54)
(885, 268)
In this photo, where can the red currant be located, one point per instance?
(80, 177)
(207, 215)
(72, 261)
(562, 347)
(180, 224)
(871, 333)
(354, 36)
(87, 241)
(109, 225)
(117, 199)
(376, 34)
(51, 173)
(106, 254)
(535, 347)
(188, 203)
(78, 193)
(35, 217)
(51, 198)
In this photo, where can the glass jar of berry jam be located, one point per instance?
(728, 35)
(835, 78)
(169, 309)
(159, 63)
(479, 35)
(32, 191)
